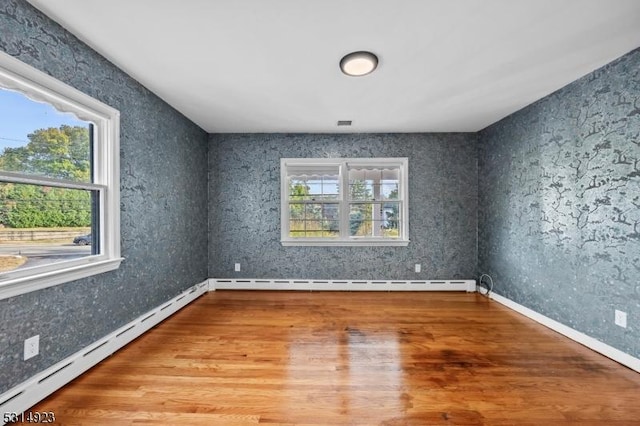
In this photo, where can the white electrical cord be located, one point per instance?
(490, 288)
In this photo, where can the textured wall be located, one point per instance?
(244, 207)
(559, 196)
(163, 205)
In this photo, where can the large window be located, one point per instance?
(59, 182)
(356, 201)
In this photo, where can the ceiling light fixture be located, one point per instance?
(357, 64)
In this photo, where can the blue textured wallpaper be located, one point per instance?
(559, 196)
(244, 207)
(163, 205)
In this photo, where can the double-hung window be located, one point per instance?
(59, 182)
(349, 201)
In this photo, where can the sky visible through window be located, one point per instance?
(20, 116)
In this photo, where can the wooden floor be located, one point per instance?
(244, 358)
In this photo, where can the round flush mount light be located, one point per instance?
(357, 64)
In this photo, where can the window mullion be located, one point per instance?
(344, 201)
(11, 177)
(375, 213)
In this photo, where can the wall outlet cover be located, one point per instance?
(621, 318)
(31, 347)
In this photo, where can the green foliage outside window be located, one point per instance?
(61, 153)
(310, 220)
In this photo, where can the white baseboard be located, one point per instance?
(33, 390)
(588, 341)
(341, 285)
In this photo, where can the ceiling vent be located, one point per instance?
(344, 123)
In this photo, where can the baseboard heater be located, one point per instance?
(341, 285)
(35, 389)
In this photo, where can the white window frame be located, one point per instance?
(18, 76)
(345, 239)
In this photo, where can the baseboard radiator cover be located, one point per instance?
(573, 334)
(30, 392)
(340, 285)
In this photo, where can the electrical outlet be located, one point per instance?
(237, 267)
(621, 318)
(31, 347)
(418, 267)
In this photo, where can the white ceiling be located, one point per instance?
(272, 66)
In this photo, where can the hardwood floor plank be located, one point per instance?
(324, 358)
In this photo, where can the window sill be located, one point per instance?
(10, 287)
(344, 243)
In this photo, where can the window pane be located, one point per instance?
(296, 225)
(314, 220)
(296, 211)
(37, 139)
(43, 225)
(390, 217)
(390, 191)
(390, 233)
(331, 225)
(360, 216)
(374, 184)
(330, 212)
(298, 190)
(315, 188)
(313, 212)
(361, 190)
(374, 220)
(330, 188)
